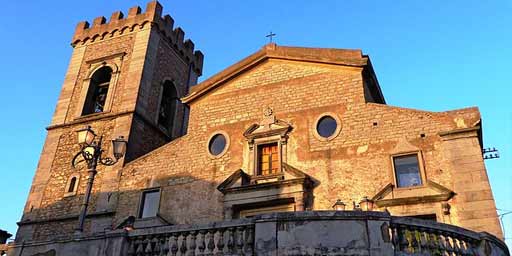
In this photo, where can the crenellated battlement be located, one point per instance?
(136, 19)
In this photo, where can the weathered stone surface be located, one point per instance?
(300, 85)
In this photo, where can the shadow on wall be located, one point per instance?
(169, 200)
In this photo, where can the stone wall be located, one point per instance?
(141, 49)
(298, 84)
(354, 164)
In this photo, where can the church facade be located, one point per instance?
(288, 130)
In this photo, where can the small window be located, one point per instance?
(326, 126)
(217, 144)
(149, 204)
(268, 159)
(72, 184)
(97, 93)
(168, 105)
(407, 171)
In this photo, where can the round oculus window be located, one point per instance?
(326, 126)
(217, 144)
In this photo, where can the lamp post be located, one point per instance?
(91, 152)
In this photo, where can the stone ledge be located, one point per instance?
(65, 218)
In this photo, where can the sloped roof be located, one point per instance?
(344, 57)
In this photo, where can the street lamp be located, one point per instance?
(339, 205)
(85, 136)
(91, 152)
(366, 204)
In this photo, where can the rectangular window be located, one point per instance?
(149, 203)
(268, 159)
(407, 171)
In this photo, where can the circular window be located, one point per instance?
(217, 144)
(327, 127)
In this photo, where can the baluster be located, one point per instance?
(395, 237)
(200, 242)
(456, 245)
(183, 245)
(240, 240)
(473, 247)
(149, 246)
(432, 241)
(249, 241)
(139, 247)
(462, 246)
(404, 244)
(423, 236)
(448, 243)
(467, 247)
(192, 245)
(131, 247)
(142, 246)
(230, 241)
(220, 243)
(156, 245)
(441, 243)
(164, 242)
(414, 240)
(173, 245)
(210, 245)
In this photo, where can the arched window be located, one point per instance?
(71, 187)
(168, 104)
(97, 93)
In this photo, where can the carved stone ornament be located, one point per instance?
(268, 126)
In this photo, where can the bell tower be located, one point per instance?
(125, 78)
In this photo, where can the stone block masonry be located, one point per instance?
(249, 103)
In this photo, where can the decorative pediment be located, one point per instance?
(267, 127)
(237, 179)
(240, 180)
(431, 192)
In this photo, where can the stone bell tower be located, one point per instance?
(125, 78)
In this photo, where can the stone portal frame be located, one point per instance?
(336, 132)
(241, 192)
(420, 166)
(113, 62)
(268, 130)
(68, 193)
(265, 194)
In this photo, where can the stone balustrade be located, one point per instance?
(219, 238)
(421, 237)
(287, 233)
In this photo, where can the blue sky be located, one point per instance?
(437, 56)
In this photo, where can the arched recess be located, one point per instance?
(168, 107)
(94, 87)
(96, 96)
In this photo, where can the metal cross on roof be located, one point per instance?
(270, 36)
